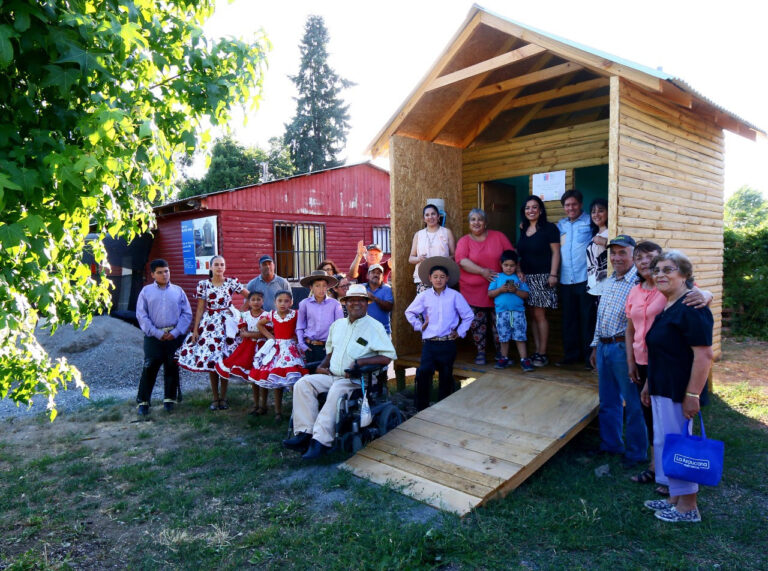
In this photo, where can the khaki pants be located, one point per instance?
(306, 417)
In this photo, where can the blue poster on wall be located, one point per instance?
(198, 244)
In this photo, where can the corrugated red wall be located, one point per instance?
(350, 201)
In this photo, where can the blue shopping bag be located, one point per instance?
(693, 458)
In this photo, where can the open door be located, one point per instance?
(498, 201)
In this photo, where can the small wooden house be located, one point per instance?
(299, 221)
(505, 101)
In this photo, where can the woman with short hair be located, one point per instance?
(679, 358)
(478, 255)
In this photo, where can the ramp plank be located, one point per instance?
(430, 493)
(481, 442)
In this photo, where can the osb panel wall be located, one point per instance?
(418, 170)
(670, 185)
(560, 149)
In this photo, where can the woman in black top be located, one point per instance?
(679, 357)
(539, 251)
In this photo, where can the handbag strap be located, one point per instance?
(689, 427)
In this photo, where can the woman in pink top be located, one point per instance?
(478, 254)
(644, 303)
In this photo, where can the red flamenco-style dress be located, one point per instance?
(239, 363)
(279, 365)
(213, 341)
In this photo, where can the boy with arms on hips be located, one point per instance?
(509, 294)
(446, 316)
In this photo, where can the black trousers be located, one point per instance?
(435, 355)
(314, 354)
(156, 354)
(577, 337)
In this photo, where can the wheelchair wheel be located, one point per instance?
(389, 418)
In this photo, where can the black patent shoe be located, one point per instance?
(299, 443)
(315, 451)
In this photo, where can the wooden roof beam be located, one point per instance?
(501, 104)
(558, 92)
(589, 60)
(527, 79)
(380, 143)
(528, 116)
(466, 92)
(484, 67)
(578, 106)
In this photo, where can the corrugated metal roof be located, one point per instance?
(658, 73)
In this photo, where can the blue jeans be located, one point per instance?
(615, 388)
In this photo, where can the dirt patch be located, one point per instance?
(744, 361)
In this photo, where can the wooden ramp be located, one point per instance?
(481, 442)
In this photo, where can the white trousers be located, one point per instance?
(668, 419)
(306, 416)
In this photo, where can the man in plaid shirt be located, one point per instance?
(618, 395)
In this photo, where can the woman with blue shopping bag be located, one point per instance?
(679, 358)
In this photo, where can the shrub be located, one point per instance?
(745, 280)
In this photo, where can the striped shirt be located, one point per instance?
(611, 313)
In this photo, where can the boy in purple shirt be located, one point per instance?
(164, 315)
(446, 317)
(316, 314)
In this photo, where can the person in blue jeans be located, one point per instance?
(618, 396)
(509, 294)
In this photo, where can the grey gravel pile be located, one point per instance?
(109, 356)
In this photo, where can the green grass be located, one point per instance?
(198, 489)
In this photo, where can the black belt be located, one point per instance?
(318, 343)
(612, 339)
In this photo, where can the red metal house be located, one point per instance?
(299, 221)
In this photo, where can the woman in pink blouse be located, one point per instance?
(478, 255)
(644, 303)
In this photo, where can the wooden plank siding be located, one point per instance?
(349, 201)
(670, 184)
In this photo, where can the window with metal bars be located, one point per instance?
(299, 248)
(381, 237)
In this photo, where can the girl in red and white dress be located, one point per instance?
(279, 363)
(239, 363)
(208, 341)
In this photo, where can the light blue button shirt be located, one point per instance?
(575, 236)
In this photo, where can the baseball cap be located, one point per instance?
(265, 258)
(622, 240)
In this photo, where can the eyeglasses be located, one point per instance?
(666, 270)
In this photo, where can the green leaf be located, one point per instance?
(6, 48)
(60, 77)
(22, 22)
(10, 235)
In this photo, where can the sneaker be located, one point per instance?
(502, 363)
(480, 360)
(526, 365)
(674, 516)
(657, 505)
(169, 406)
(540, 360)
(143, 410)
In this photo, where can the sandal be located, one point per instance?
(214, 405)
(644, 477)
(257, 411)
(662, 490)
(223, 404)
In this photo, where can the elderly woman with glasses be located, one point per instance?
(479, 257)
(679, 358)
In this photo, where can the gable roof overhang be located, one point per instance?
(498, 79)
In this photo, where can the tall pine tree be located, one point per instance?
(318, 131)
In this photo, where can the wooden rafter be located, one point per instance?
(466, 92)
(486, 120)
(484, 67)
(528, 116)
(381, 142)
(558, 92)
(571, 107)
(589, 60)
(527, 79)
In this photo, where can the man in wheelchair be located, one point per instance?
(353, 342)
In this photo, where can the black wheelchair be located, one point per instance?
(349, 436)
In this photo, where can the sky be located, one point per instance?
(386, 48)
